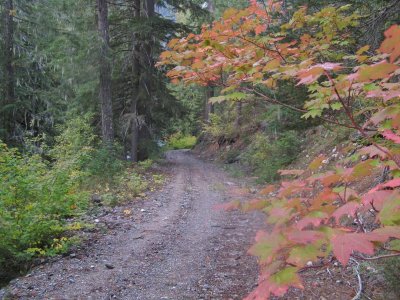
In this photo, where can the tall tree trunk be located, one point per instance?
(107, 128)
(149, 9)
(136, 74)
(9, 88)
(208, 107)
(211, 7)
(238, 121)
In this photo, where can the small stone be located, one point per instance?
(72, 255)
(109, 266)
(309, 264)
(143, 210)
(96, 220)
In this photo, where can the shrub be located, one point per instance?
(180, 141)
(266, 157)
(34, 201)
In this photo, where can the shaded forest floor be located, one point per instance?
(176, 245)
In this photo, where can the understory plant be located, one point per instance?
(37, 196)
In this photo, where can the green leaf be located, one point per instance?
(390, 213)
(336, 106)
(312, 113)
(301, 255)
(218, 99)
(395, 245)
(287, 276)
(237, 96)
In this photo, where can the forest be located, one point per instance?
(297, 102)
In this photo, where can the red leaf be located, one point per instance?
(384, 233)
(376, 71)
(391, 45)
(273, 281)
(291, 172)
(390, 184)
(376, 198)
(374, 151)
(390, 135)
(350, 193)
(304, 236)
(255, 204)
(268, 189)
(259, 29)
(345, 244)
(311, 219)
(349, 209)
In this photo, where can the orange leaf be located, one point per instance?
(380, 70)
(391, 45)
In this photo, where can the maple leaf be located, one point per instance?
(304, 236)
(373, 151)
(255, 204)
(267, 246)
(315, 218)
(391, 45)
(301, 255)
(344, 244)
(268, 189)
(376, 71)
(390, 135)
(361, 170)
(375, 198)
(264, 288)
(349, 209)
(348, 194)
(260, 28)
(289, 188)
(390, 184)
(384, 233)
(316, 163)
(290, 172)
(284, 279)
(390, 212)
(390, 112)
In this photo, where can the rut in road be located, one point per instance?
(175, 246)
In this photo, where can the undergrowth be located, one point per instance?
(39, 195)
(181, 141)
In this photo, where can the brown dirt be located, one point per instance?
(174, 245)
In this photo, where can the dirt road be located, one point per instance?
(174, 245)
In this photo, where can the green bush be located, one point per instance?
(180, 141)
(266, 156)
(35, 199)
(221, 126)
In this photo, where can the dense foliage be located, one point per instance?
(79, 95)
(250, 52)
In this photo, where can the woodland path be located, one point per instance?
(175, 245)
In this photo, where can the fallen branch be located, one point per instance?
(360, 286)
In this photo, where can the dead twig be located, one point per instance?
(360, 286)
